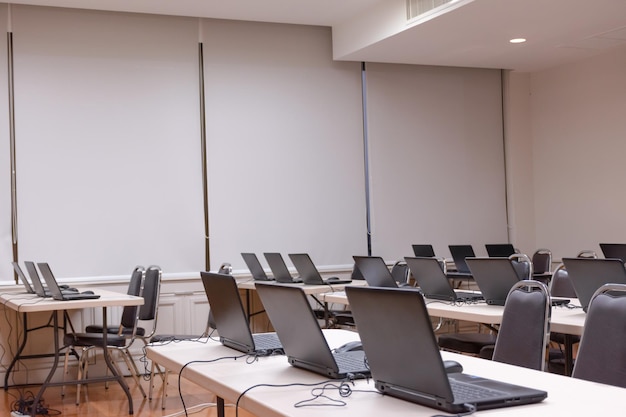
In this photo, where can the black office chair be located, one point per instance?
(601, 355)
(523, 333)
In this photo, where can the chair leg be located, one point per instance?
(129, 360)
(65, 369)
(164, 388)
(82, 372)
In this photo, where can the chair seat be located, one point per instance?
(94, 328)
(466, 342)
(93, 339)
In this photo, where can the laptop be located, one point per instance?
(56, 291)
(375, 271)
(257, 271)
(499, 250)
(309, 273)
(306, 347)
(38, 287)
(459, 253)
(494, 277)
(29, 289)
(423, 250)
(230, 317)
(589, 274)
(392, 320)
(434, 283)
(614, 250)
(279, 268)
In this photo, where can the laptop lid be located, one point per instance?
(423, 250)
(494, 277)
(459, 253)
(22, 278)
(375, 271)
(55, 289)
(431, 278)
(614, 250)
(257, 271)
(34, 278)
(308, 271)
(279, 268)
(230, 317)
(499, 250)
(589, 274)
(305, 345)
(394, 320)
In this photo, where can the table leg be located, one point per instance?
(17, 354)
(220, 407)
(569, 354)
(53, 368)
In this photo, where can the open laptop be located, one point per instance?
(494, 277)
(309, 273)
(230, 317)
(55, 289)
(614, 250)
(499, 250)
(434, 283)
(38, 286)
(279, 268)
(257, 271)
(306, 347)
(405, 360)
(29, 289)
(589, 274)
(375, 271)
(423, 250)
(459, 253)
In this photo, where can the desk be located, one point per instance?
(229, 378)
(28, 303)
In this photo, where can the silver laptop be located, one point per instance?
(55, 289)
(29, 289)
(589, 274)
(257, 271)
(305, 345)
(230, 317)
(309, 273)
(405, 360)
(434, 283)
(279, 268)
(38, 286)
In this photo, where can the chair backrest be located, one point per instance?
(524, 330)
(601, 354)
(523, 265)
(151, 291)
(560, 284)
(587, 254)
(542, 261)
(400, 272)
(130, 313)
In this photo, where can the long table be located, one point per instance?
(30, 303)
(230, 378)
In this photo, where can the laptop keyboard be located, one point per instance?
(265, 341)
(350, 362)
(469, 392)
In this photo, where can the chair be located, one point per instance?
(400, 272)
(524, 329)
(601, 355)
(119, 337)
(542, 265)
(523, 265)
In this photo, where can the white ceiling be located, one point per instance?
(471, 33)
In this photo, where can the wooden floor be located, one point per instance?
(96, 401)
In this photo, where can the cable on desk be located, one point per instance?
(471, 409)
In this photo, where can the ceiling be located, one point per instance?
(468, 33)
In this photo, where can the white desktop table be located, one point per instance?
(30, 303)
(229, 378)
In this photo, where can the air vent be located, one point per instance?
(416, 8)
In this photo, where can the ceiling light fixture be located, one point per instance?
(518, 40)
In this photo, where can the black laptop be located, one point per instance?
(423, 250)
(230, 317)
(257, 271)
(306, 347)
(434, 283)
(29, 289)
(375, 271)
(56, 291)
(309, 273)
(614, 250)
(459, 253)
(589, 274)
(38, 286)
(279, 268)
(499, 250)
(494, 276)
(405, 360)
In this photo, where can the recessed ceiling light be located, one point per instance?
(518, 40)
